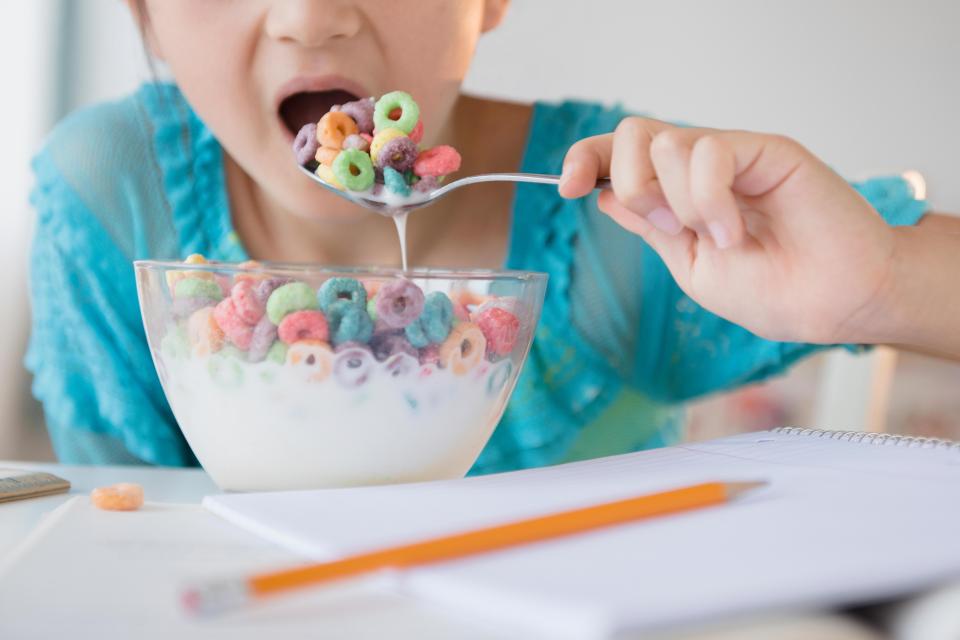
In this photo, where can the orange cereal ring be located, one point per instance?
(203, 332)
(313, 357)
(334, 127)
(254, 277)
(124, 496)
(463, 349)
(326, 155)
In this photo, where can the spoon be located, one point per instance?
(387, 204)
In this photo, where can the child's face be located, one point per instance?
(255, 71)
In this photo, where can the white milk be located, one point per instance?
(266, 426)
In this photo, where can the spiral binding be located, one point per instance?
(878, 439)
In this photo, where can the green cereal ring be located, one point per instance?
(277, 352)
(175, 344)
(197, 288)
(341, 289)
(409, 112)
(295, 296)
(225, 371)
(354, 170)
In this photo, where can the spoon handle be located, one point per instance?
(539, 178)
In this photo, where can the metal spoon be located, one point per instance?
(390, 205)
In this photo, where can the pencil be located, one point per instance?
(219, 596)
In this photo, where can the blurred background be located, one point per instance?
(869, 85)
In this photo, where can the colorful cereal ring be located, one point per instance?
(434, 323)
(500, 328)
(303, 325)
(362, 113)
(185, 307)
(399, 302)
(326, 174)
(381, 139)
(327, 156)
(463, 349)
(395, 182)
(438, 161)
(305, 145)
(191, 287)
(353, 364)
(348, 323)
(401, 365)
(234, 328)
(399, 153)
(356, 141)
(386, 345)
(175, 275)
(312, 357)
(247, 301)
(204, 333)
(277, 352)
(385, 109)
(333, 127)
(294, 296)
(264, 335)
(336, 289)
(354, 170)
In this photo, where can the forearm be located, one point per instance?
(920, 307)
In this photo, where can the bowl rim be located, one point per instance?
(286, 268)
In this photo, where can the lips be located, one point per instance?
(307, 99)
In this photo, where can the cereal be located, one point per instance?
(247, 301)
(434, 323)
(417, 134)
(362, 113)
(438, 161)
(395, 182)
(430, 354)
(354, 170)
(381, 139)
(262, 339)
(254, 277)
(123, 496)
(278, 352)
(357, 141)
(384, 111)
(401, 365)
(341, 289)
(173, 277)
(326, 174)
(386, 345)
(305, 145)
(295, 296)
(233, 326)
(175, 344)
(313, 357)
(204, 333)
(399, 302)
(500, 328)
(303, 325)
(426, 184)
(327, 156)
(185, 307)
(191, 287)
(225, 369)
(463, 349)
(398, 153)
(348, 322)
(353, 364)
(334, 127)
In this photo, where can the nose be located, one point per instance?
(312, 23)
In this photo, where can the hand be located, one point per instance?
(753, 227)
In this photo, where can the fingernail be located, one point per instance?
(568, 168)
(664, 219)
(721, 237)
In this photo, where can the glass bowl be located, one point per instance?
(297, 377)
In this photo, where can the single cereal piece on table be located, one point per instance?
(124, 496)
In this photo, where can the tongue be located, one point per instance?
(301, 108)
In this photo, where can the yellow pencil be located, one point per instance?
(218, 596)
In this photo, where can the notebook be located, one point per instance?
(847, 518)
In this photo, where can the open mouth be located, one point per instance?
(309, 106)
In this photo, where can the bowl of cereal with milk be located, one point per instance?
(295, 377)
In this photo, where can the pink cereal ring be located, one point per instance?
(248, 305)
(303, 325)
(438, 161)
(123, 496)
(203, 332)
(417, 134)
(237, 331)
(500, 328)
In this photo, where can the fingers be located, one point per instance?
(632, 171)
(586, 161)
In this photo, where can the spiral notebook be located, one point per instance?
(847, 518)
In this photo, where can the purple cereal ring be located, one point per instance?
(398, 154)
(399, 302)
(386, 345)
(353, 364)
(362, 113)
(266, 287)
(426, 184)
(305, 145)
(356, 141)
(264, 335)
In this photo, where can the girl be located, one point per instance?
(761, 247)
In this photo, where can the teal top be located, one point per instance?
(618, 349)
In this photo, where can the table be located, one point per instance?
(364, 612)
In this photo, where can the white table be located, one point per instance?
(364, 612)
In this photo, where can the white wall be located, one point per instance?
(870, 85)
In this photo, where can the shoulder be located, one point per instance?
(98, 167)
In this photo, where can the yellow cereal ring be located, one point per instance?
(173, 277)
(463, 349)
(334, 127)
(326, 155)
(203, 332)
(313, 357)
(326, 174)
(118, 497)
(382, 138)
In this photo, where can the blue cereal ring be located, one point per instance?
(336, 289)
(409, 112)
(348, 322)
(294, 296)
(395, 182)
(433, 325)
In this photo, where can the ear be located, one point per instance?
(138, 11)
(493, 13)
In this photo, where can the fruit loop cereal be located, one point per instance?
(369, 144)
(118, 497)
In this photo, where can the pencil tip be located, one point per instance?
(734, 489)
